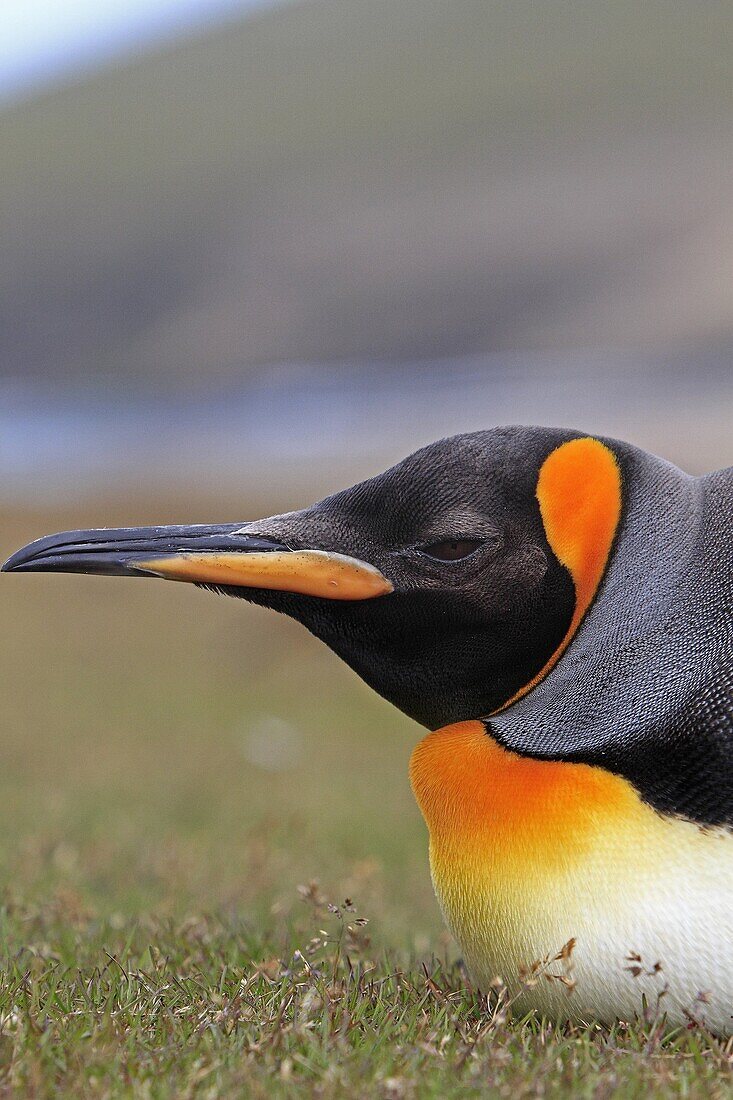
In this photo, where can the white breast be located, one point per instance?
(650, 920)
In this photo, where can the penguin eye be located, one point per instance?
(451, 549)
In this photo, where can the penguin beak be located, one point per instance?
(225, 555)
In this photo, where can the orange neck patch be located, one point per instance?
(579, 494)
(483, 803)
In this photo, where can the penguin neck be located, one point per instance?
(622, 679)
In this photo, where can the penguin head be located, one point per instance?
(442, 582)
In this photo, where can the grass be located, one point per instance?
(177, 770)
(209, 1006)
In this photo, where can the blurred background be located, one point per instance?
(250, 252)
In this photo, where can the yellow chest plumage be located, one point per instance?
(527, 854)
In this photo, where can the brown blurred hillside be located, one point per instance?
(364, 180)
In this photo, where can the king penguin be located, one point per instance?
(557, 610)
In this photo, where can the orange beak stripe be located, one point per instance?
(308, 572)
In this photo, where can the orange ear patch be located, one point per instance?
(579, 494)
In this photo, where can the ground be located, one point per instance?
(179, 771)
